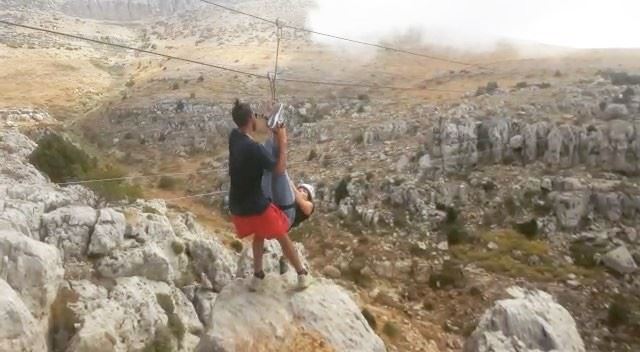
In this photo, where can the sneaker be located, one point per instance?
(277, 117)
(255, 284)
(304, 281)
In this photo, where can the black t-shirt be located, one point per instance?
(247, 160)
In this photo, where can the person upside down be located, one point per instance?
(264, 203)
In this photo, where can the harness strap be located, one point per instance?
(287, 207)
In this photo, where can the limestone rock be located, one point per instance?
(18, 328)
(272, 319)
(108, 232)
(530, 321)
(148, 261)
(209, 256)
(620, 260)
(34, 270)
(69, 229)
(135, 315)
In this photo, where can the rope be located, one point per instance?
(129, 48)
(329, 83)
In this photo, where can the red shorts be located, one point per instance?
(271, 224)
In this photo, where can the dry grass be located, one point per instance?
(503, 261)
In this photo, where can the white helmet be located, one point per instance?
(309, 188)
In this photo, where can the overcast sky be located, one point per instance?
(477, 23)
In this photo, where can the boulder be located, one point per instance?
(218, 263)
(107, 233)
(22, 216)
(531, 321)
(18, 328)
(147, 261)
(33, 269)
(615, 111)
(69, 229)
(620, 260)
(570, 208)
(138, 314)
(277, 318)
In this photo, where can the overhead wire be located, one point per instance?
(167, 56)
(291, 80)
(360, 42)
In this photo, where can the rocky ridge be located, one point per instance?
(136, 276)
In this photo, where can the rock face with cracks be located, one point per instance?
(530, 321)
(273, 318)
(139, 277)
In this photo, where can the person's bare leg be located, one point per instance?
(292, 255)
(258, 251)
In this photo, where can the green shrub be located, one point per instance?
(451, 275)
(368, 316)
(312, 155)
(113, 190)
(492, 87)
(341, 191)
(528, 228)
(60, 159)
(391, 329)
(452, 215)
(178, 247)
(162, 341)
(168, 183)
(456, 234)
(619, 312)
(584, 254)
(237, 246)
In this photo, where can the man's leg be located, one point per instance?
(278, 187)
(290, 252)
(258, 251)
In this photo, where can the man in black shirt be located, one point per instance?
(254, 214)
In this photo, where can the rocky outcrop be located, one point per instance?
(530, 321)
(135, 277)
(125, 10)
(33, 269)
(137, 314)
(70, 229)
(18, 328)
(108, 232)
(463, 143)
(273, 319)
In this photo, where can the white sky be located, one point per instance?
(478, 23)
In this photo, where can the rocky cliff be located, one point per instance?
(140, 277)
(125, 10)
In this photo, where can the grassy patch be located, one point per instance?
(502, 260)
(528, 228)
(63, 161)
(391, 329)
(168, 183)
(584, 254)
